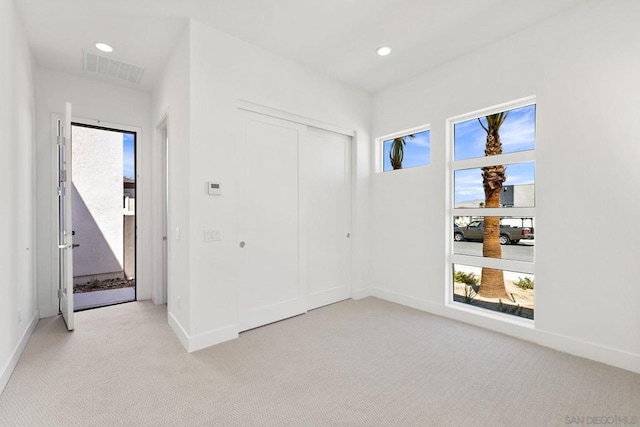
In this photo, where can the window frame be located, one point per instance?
(379, 147)
(478, 261)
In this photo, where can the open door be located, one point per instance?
(65, 234)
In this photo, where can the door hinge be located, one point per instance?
(61, 293)
(63, 175)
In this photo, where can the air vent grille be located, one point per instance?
(101, 65)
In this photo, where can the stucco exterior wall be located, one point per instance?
(129, 245)
(97, 203)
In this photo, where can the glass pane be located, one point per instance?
(516, 238)
(129, 163)
(517, 190)
(511, 292)
(517, 133)
(407, 151)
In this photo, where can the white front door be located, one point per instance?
(65, 233)
(271, 287)
(328, 207)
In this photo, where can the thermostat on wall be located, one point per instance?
(215, 188)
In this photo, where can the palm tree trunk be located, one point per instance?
(492, 281)
(492, 284)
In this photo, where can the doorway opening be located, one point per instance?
(104, 216)
(161, 297)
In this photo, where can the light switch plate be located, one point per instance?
(212, 235)
(214, 188)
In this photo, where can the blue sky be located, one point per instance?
(516, 134)
(468, 182)
(417, 151)
(129, 154)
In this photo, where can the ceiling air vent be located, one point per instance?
(103, 66)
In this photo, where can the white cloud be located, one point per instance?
(519, 133)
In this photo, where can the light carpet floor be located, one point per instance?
(355, 363)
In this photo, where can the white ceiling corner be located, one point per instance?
(335, 37)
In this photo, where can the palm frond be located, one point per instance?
(396, 151)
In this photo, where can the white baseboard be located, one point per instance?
(409, 301)
(205, 339)
(357, 294)
(522, 330)
(178, 330)
(7, 370)
(209, 338)
(588, 350)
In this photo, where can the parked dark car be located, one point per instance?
(475, 231)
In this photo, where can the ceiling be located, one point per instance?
(335, 37)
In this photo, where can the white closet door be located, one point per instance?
(328, 209)
(271, 288)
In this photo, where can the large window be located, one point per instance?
(492, 208)
(406, 149)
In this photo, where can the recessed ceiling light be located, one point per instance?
(384, 50)
(104, 47)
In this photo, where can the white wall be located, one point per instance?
(97, 203)
(171, 103)
(18, 308)
(583, 67)
(222, 71)
(110, 105)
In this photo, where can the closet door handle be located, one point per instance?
(242, 244)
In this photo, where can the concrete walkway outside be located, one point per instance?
(101, 298)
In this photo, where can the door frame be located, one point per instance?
(160, 289)
(55, 258)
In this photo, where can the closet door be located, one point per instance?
(271, 288)
(327, 174)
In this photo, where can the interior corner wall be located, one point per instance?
(221, 71)
(587, 299)
(18, 307)
(109, 103)
(171, 103)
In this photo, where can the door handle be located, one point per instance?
(74, 245)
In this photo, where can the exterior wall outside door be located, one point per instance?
(97, 204)
(129, 246)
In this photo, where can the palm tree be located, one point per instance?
(396, 151)
(492, 281)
